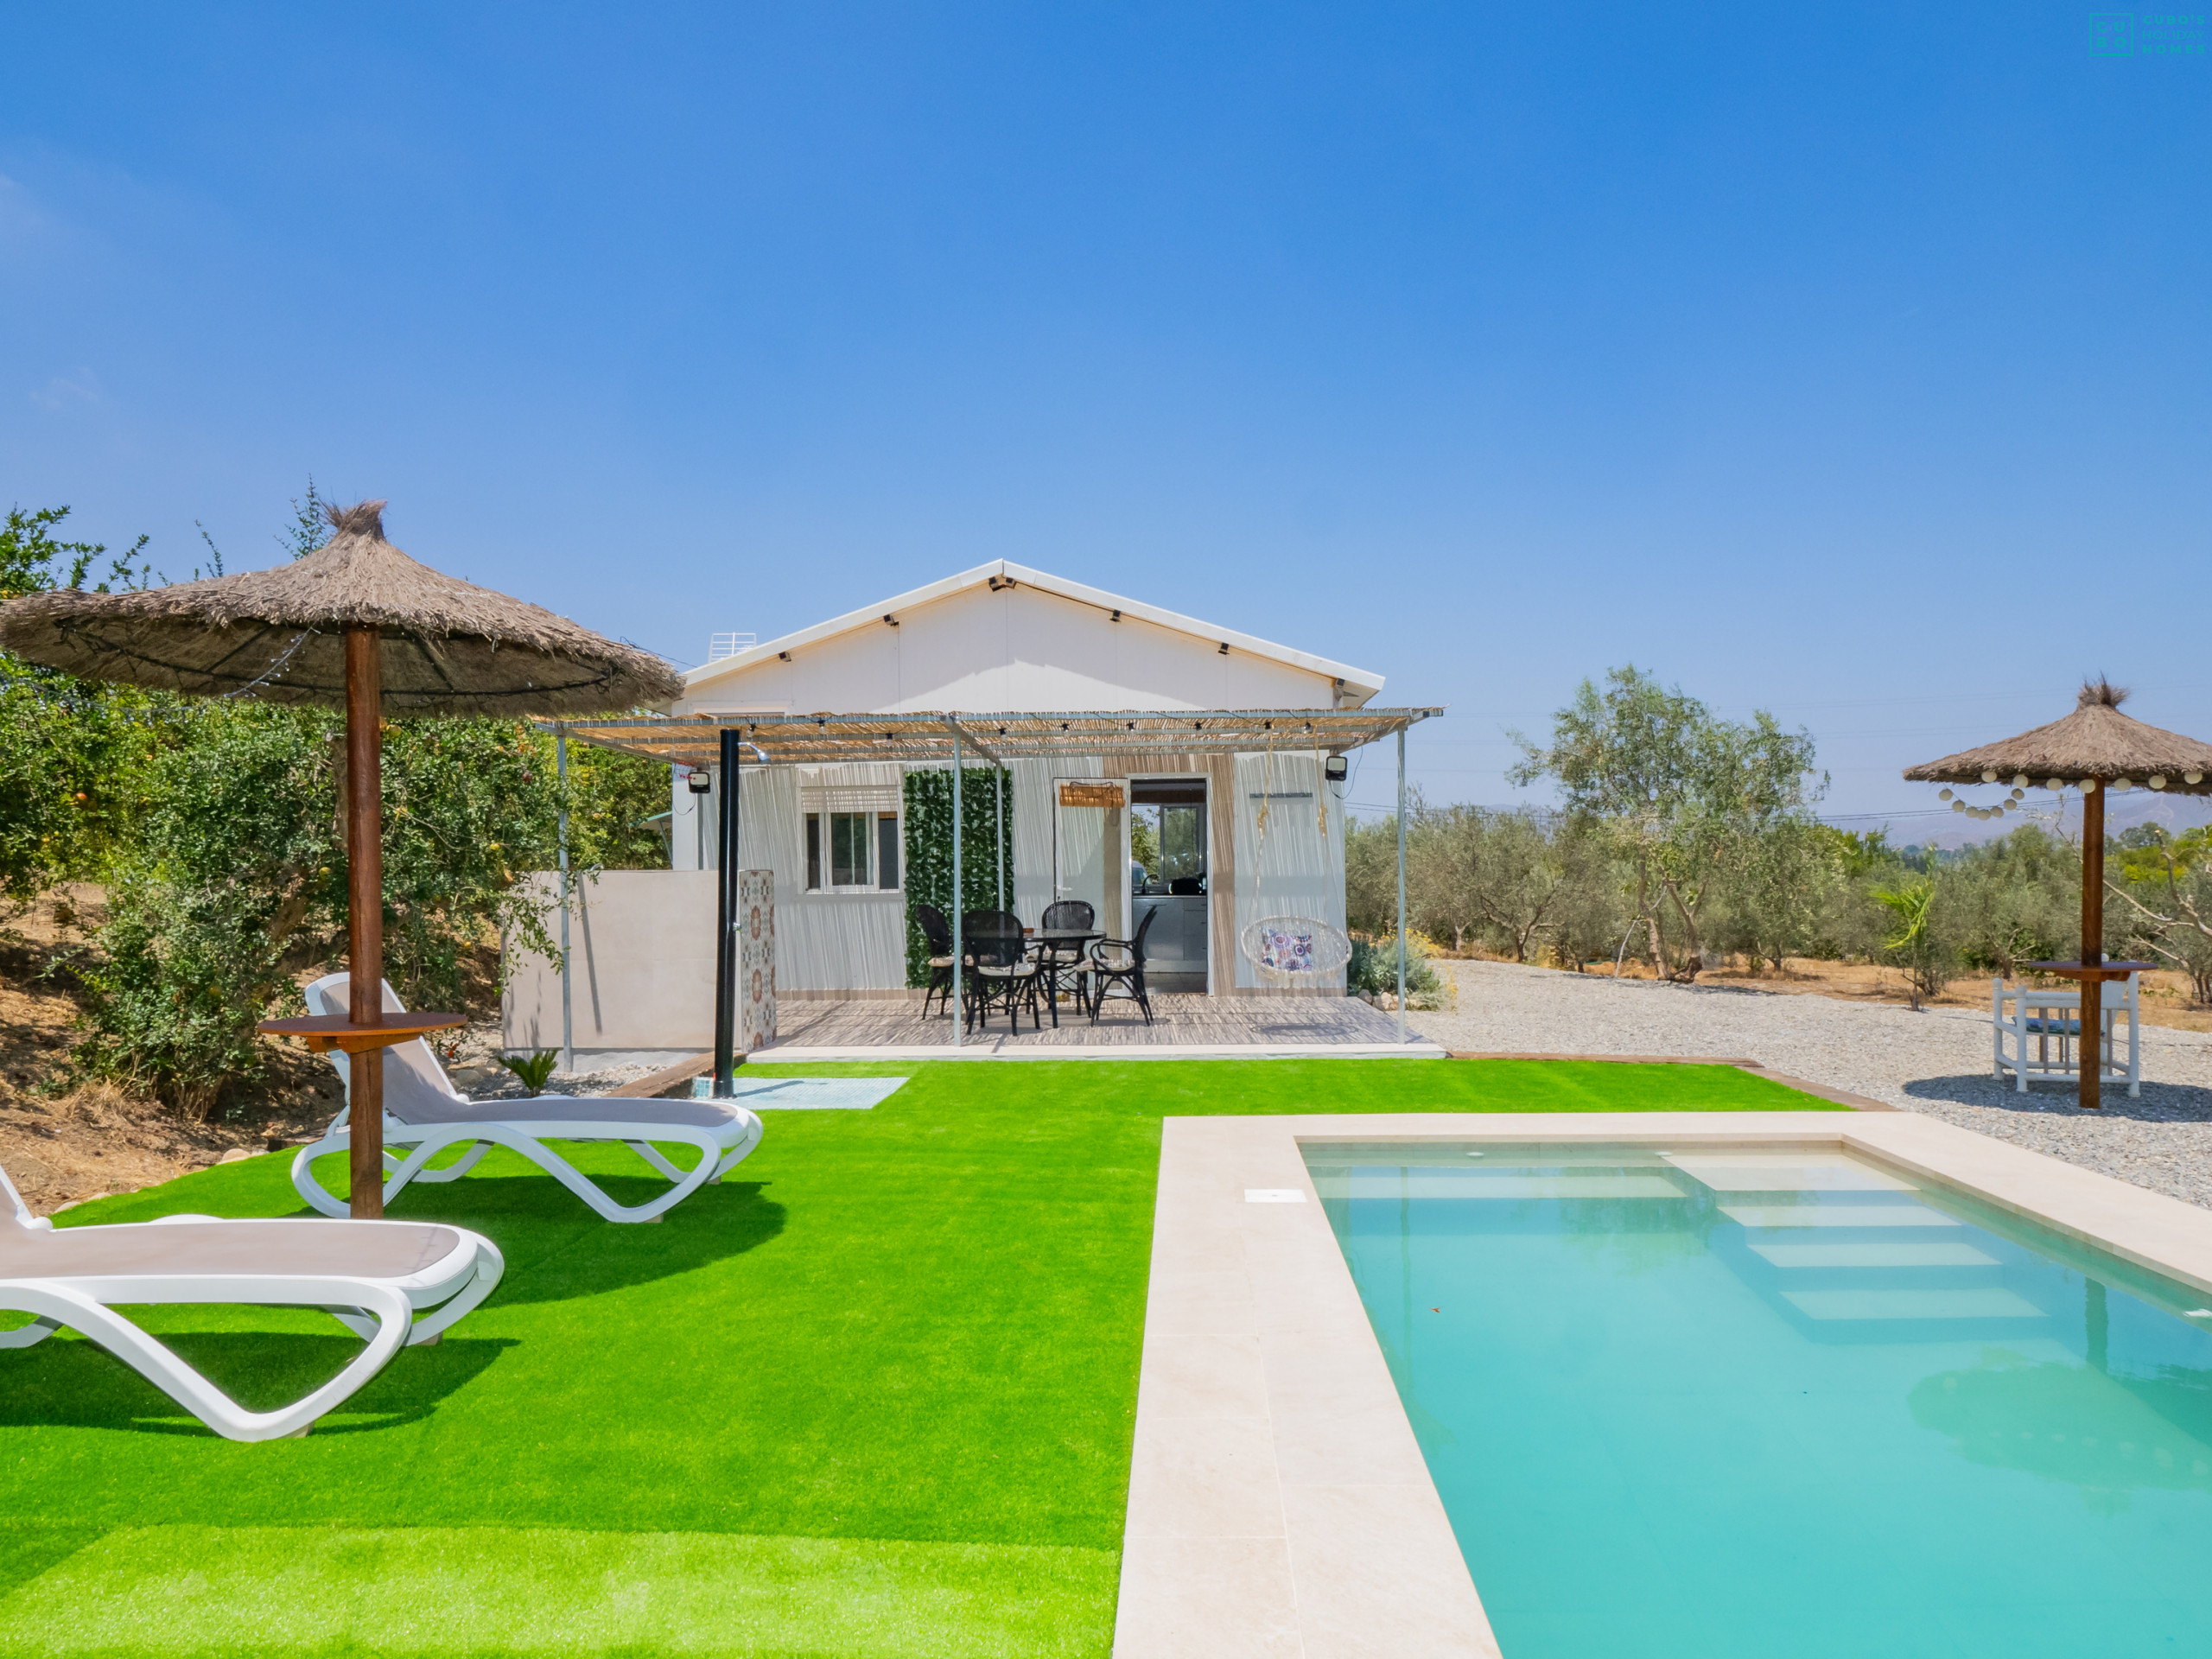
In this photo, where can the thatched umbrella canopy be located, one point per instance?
(356, 625)
(2095, 743)
(445, 647)
(2095, 749)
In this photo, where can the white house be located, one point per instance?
(1003, 639)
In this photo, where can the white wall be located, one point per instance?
(643, 946)
(1020, 648)
(824, 941)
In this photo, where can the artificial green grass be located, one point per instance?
(439, 1590)
(917, 1325)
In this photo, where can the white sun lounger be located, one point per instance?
(422, 1109)
(373, 1276)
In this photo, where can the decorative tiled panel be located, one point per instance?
(756, 959)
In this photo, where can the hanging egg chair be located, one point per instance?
(1300, 951)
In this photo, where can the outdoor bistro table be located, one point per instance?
(1081, 938)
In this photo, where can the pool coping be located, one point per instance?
(1278, 1504)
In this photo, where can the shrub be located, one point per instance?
(533, 1069)
(1373, 971)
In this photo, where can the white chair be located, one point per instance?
(2039, 1034)
(373, 1276)
(422, 1110)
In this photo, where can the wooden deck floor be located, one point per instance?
(1180, 1020)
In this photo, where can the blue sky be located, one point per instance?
(1846, 361)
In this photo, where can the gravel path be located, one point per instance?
(1936, 1061)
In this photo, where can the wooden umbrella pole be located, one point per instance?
(2091, 1053)
(365, 911)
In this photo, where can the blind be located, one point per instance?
(849, 797)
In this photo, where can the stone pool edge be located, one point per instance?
(1278, 1504)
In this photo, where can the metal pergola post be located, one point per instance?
(959, 989)
(568, 976)
(727, 920)
(1401, 884)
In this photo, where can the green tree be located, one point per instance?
(1784, 890)
(1480, 869)
(2016, 898)
(1682, 796)
(1144, 843)
(1371, 870)
(2165, 885)
(235, 884)
(1913, 943)
(71, 750)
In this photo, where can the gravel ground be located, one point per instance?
(476, 1071)
(1936, 1061)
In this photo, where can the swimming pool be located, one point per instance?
(1736, 1401)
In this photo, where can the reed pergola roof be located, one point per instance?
(926, 736)
(2097, 741)
(446, 646)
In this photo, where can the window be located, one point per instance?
(887, 850)
(852, 852)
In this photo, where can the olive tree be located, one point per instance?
(2165, 885)
(1681, 796)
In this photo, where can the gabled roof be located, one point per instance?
(1359, 684)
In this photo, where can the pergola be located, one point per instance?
(948, 738)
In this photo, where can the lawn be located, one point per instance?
(872, 1396)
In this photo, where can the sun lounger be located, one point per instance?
(422, 1109)
(373, 1276)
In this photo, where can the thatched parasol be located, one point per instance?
(356, 625)
(2095, 749)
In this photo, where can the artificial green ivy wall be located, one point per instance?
(984, 851)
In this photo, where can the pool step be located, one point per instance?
(1871, 1253)
(1871, 1264)
(1780, 1216)
(1992, 1303)
(1775, 1172)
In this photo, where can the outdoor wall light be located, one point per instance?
(698, 782)
(1336, 768)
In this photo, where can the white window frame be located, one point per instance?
(817, 806)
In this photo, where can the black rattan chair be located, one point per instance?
(1003, 972)
(1120, 961)
(1066, 966)
(938, 932)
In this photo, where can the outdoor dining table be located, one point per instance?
(1080, 937)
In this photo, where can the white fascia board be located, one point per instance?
(1356, 680)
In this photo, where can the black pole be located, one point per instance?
(727, 1059)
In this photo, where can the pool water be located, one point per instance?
(1783, 1404)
